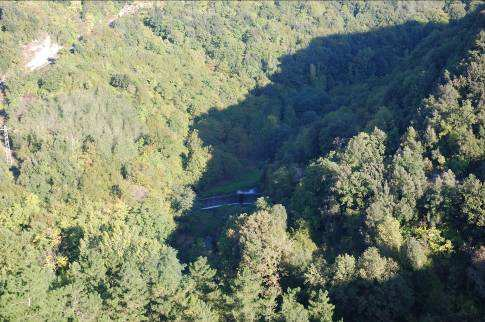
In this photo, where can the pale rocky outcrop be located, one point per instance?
(40, 53)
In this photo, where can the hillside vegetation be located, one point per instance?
(363, 124)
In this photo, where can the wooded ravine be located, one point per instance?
(242, 161)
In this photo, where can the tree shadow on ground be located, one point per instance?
(320, 96)
(431, 293)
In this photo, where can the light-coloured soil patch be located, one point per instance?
(40, 53)
(130, 9)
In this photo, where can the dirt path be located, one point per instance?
(238, 198)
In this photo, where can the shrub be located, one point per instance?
(120, 81)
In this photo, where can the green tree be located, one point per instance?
(199, 295)
(27, 282)
(245, 302)
(359, 174)
(408, 177)
(389, 238)
(472, 192)
(344, 269)
(291, 310)
(320, 308)
(263, 241)
(415, 253)
(372, 266)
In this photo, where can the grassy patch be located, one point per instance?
(246, 180)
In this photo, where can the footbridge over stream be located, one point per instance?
(240, 197)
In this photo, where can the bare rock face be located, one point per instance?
(40, 53)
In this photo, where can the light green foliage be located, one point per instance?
(408, 179)
(245, 302)
(123, 267)
(456, 113)
(473, 207)
(263, 242)
(196, 159)
(344, 269)
(198, 296)
(291, 310)
(25, 279)
(439, 199)
(359, 174)
(375, 276)
(434, 240)
(317, 273)
(313, 192)
(378, 217)
(202, 284)
(301, 251)
(372, 266)
(415, 253)
(320, 308)
(389, 236)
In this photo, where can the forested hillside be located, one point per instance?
(362, 124)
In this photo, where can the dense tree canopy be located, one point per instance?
(362, 124)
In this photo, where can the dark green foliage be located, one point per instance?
(119, 81)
